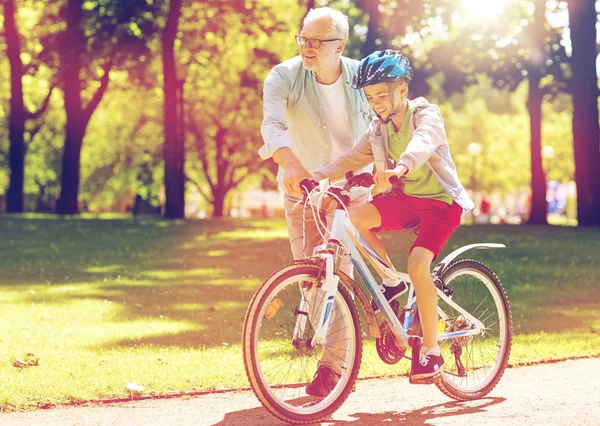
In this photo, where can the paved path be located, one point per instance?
(566, 393)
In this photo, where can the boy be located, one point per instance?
(429, 193)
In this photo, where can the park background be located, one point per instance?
(138, 219)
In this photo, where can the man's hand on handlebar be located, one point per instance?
(307, 185)
(292, 178)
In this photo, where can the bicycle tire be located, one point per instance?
(251, 361)
(447, 385)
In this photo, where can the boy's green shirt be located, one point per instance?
(421, 182)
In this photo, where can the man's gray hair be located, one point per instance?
(339, 21)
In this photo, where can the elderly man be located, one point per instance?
(311, 117)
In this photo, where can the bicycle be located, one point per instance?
(282, 338)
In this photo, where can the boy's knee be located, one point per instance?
(419, 265)
(357, 217)
(364, 218)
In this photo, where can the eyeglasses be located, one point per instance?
(315, 43)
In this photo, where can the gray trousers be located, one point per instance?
(335, 347)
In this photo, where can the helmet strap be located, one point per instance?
(394, 110)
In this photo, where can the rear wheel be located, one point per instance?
(278, 368)
(475, 364)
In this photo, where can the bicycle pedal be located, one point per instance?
(426, 380)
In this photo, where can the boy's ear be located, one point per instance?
(404, 88)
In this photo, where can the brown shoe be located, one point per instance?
(323, 383)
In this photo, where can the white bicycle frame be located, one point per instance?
(343, 238)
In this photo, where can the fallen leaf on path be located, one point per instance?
(134, 387)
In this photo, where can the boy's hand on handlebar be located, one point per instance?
(387, 177)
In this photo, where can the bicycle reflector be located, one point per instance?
(273, 308)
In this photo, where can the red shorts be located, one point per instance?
(437, 220)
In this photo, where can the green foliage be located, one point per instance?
(123, 148)
(232, 53)
(227, 47)
(499, 123)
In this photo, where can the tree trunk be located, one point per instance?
(539, 206)
(310, 4)
(219, 202)
(70, 68)
(71, 164)
(174, 149)
(373, 28)
(17, 114)
(584, 88)
(535, 36)
(78, 117)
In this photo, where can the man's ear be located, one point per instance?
(340, 48)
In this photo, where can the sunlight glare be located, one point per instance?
(478, 10)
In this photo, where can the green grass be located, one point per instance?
(103, 302)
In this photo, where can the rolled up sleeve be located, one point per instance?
(274, 127)
(428, 135)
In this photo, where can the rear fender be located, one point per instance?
(441, 267)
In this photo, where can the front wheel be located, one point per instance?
(278, 366)
(475, 364)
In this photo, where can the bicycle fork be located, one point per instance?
(329, 287)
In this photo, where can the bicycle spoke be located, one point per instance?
(479, 354)
(285, 367)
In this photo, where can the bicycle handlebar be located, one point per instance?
(364, 180)
(308, 184)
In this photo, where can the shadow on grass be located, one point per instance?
(216, 312)
(420, 416)
(52, 251)
(205, 272)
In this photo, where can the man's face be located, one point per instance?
(325, 57)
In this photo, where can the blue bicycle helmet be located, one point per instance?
(381, 67)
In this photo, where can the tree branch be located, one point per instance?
(28, 67)
(42, 108)
(202, 153)
(205, 167)
(251, 168)
(207, 197)
(89, 110)
(34, 132)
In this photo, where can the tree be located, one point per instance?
(226, 145)
(385, 24)
(18, 115)
(310, 4)
(174, 149)
(98, 35)
(234, 45)
(510, 52)
(539, 206)
(584, 89)
(377, 37)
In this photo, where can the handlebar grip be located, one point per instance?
(308, 184)
(394, 179)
